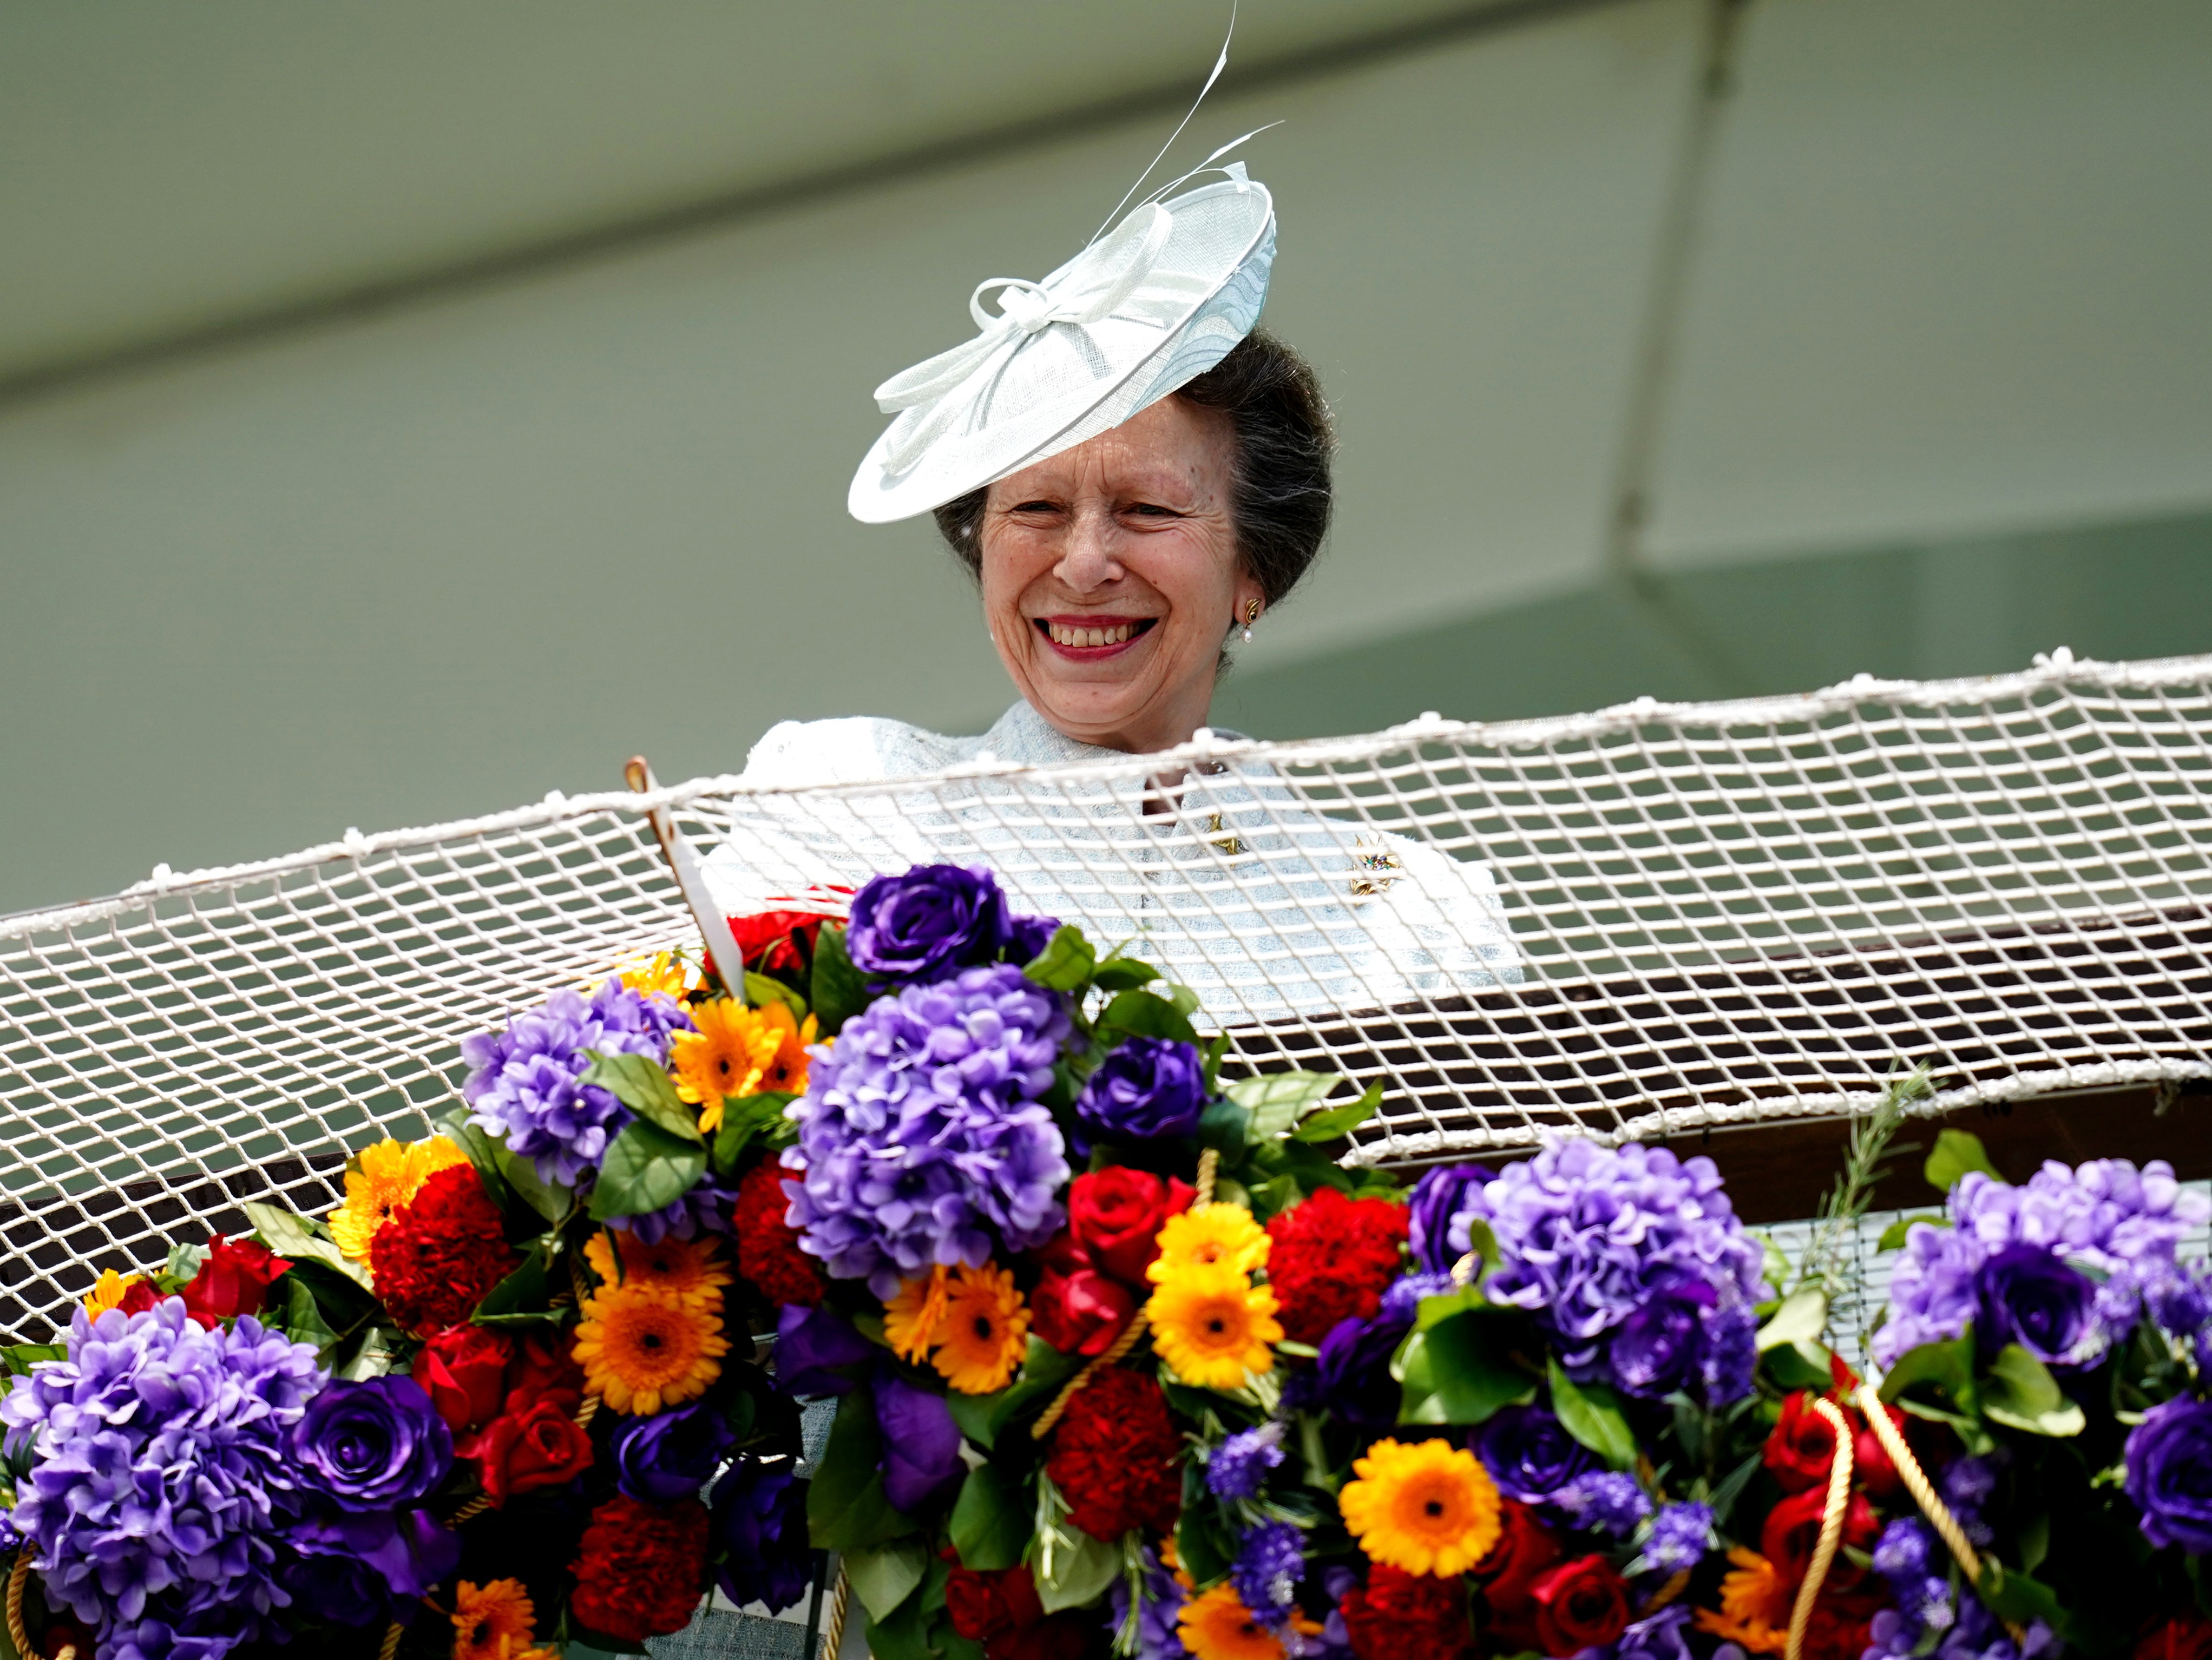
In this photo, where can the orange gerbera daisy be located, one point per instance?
(643, 1349)
(1425, 1506)
(985, 1330)
(786, 1072)
(378, 1180)
(492, 1621)
(726, 1057)
(1755, 1605)
(1217, 1626)
(1212, 1325)
(687, 1269)
(915, 1314)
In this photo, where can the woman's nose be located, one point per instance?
(1088, 560)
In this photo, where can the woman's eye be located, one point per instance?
(1034, 507)
(1153, 510)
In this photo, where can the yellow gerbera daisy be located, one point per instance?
(1215, 1233)
(1426, 1506)
(667, 974)
(642, 1349)
(787, 1073)
(686, 1270)
(492, 1621)
(1213, 1326)
(984, 1331)
(1755, 1605)
(381, 1179)
(1217, 1626)
(726, 1057)
(914, 1316)
(109, 1291)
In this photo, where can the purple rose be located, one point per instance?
(373, 1445)
(921, 1444)
(760, 1523)
(2169, 1473)
(1439, 1196)
(1655, 1351)
(812, 1345)
(928, 924)
(410, 1551)
(1529, 1454)
(670, 1454)
(1351, 1376)
(1147, 1089)
(2025, 1294)
(1027, 938)
(340, 1588)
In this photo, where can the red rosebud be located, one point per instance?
(234, 1277)
(137, 1297)
(1582, 1604)
(2184, 1637)
(1115, 1216)
(1870, 1465)
(541, 1370)
(462, 1369)
(1080, 1313)
(1525, 1548)
(1801, 1447)
(525, 1451)
(1793, 1529)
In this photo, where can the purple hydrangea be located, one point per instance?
(1681, 1535)
(1608, 1501)
(2122, 1224)
(165, 1478)
(1401, 1302)
(1631, 1260)
(921, 1135)
(1159, 1637)
(524, 1080)
(1271, 1561)
(1239, 1466)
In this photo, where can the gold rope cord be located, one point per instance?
(832, 1629)
(1831, 1529)
(17, 1633)
(392, 1641)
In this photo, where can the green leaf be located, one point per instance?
(972, 1413)
(1067, 961)
(1328, 1125)
(298, 1239)
(1277, 1100)
(640, 1084)
(1224, 1126)
(839, 990)
(746, 1119)
(1044, 1369)
(1458, 1371)
(302, 1320)
(645, 1168)
(2013, 1595)
(1798, 1366)
(2021, 1392)
(1079, 1573)
(919, 1628)
(1894, 1236)
(1590, 1413)
(762, 990)
(527, 1290)
(1141, 1012)
(885, 1576)
(1461, 1300)
(1957, 1152)
(845, 1509)
(1205, 1555)
(20, 1358)
(992, 1519)
(1801, 1319)
(1123, 974)
(343, 1300)
(1946, 1368)
(1215, 1047)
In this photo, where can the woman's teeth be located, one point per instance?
(1114, 636)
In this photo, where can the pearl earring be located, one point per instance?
(1251, 616)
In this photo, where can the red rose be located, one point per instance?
(1080, 1313)
(1331, 1258)
(1870, 1465)
(770, 939)
(1582, 1604)
(542, 1369)
(1115, 1216)
(137, 1297)
(2184, 1637)
(234, 1277)
(1398, 1616)
(463, 1369)
(1793, 1529)
(1114, 1456)
(523, 1452)
(767, 1247)
(441, 1252)
(641, 1569)
(1801, 1447)
(1525, 1548)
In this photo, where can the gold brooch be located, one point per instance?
(1220, 835)
(1370, 859)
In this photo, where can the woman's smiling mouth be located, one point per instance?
(1087, 639)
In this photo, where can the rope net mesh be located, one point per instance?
(1629, 924)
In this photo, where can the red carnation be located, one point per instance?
(235, 1278)
(1114, 1457)
(1000, 1610)
(2184, 1637)
(434, 1261)
(767, 1247)
(1793, 1529)
(641, 1569)
(1332, 1259)
(1398, 1616)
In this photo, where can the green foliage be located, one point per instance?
(2020, 1392)
(918, 1629)
(1044, 1369)
(1894, 1236)
(298, 1239)
(1277, 1100)
(748, 1119)
(762, 990)
(526, 1290)
(1867, 1159)
(1142, 1012)
(18, 1359)
(885, 1576)
(641, 1084)
(1082, 1568)
(1331, 1123)
(1801, 1319)
(991, 1519)
(839, 991)
(1067, 962)
(1957, 1152)
(846, 1507)
(300, 1318)
(1591, 1414)
(645, 1168)
(1459, 1370)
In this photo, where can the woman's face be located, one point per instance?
(1111, 577)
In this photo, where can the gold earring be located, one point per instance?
(1251, 616)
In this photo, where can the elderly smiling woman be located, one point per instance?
(1134, 477)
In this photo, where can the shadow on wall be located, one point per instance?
(2141, 589)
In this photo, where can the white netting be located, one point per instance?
(1702, 914)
